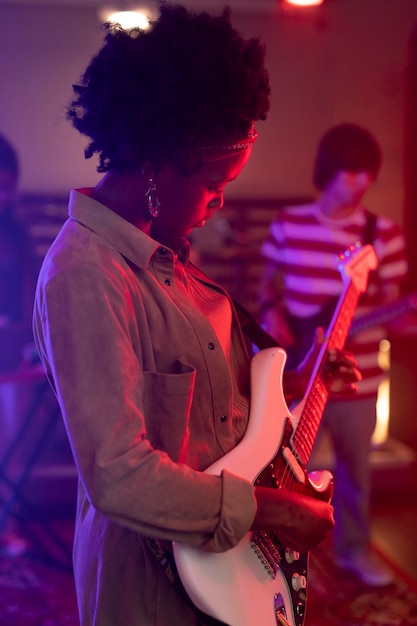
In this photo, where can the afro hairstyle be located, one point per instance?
(159, 94)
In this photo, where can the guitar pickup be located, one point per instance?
(294, 465)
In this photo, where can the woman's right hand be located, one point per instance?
(301, 522)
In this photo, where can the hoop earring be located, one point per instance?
(154, 206)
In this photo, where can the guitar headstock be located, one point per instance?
(355, 264)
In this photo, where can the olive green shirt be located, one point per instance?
(152, 390)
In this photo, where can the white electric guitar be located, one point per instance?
(260, 581)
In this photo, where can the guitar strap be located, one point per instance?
(253, 330)
(166, 560)
(370, 228)
(368, 237)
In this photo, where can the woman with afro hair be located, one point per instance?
(145, 353)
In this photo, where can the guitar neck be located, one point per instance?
(317, 392)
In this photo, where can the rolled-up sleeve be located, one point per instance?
(237, 513)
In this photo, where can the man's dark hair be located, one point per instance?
(159, 94)
(8, 157)
(346, 147)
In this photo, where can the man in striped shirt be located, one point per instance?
(299, 289)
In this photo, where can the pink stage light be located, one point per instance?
(304, 3)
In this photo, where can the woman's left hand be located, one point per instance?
(341, 371)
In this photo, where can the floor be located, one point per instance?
(393, 502)
(394, 520)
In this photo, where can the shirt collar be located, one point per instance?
(131, 242)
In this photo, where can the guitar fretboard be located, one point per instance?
(317, 394)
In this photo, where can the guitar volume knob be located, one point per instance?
(291, 555)
(298, 582)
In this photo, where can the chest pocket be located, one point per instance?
(167, 402)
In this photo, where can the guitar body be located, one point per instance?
(258, 581)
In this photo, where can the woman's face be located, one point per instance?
(187, 202)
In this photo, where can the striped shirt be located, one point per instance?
(305, 246)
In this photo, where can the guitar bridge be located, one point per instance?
(266, 551)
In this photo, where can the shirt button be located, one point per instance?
(163, 251)
(223, 418)
(168, 282)
(211, 346)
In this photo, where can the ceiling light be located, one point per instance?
(128, 14)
